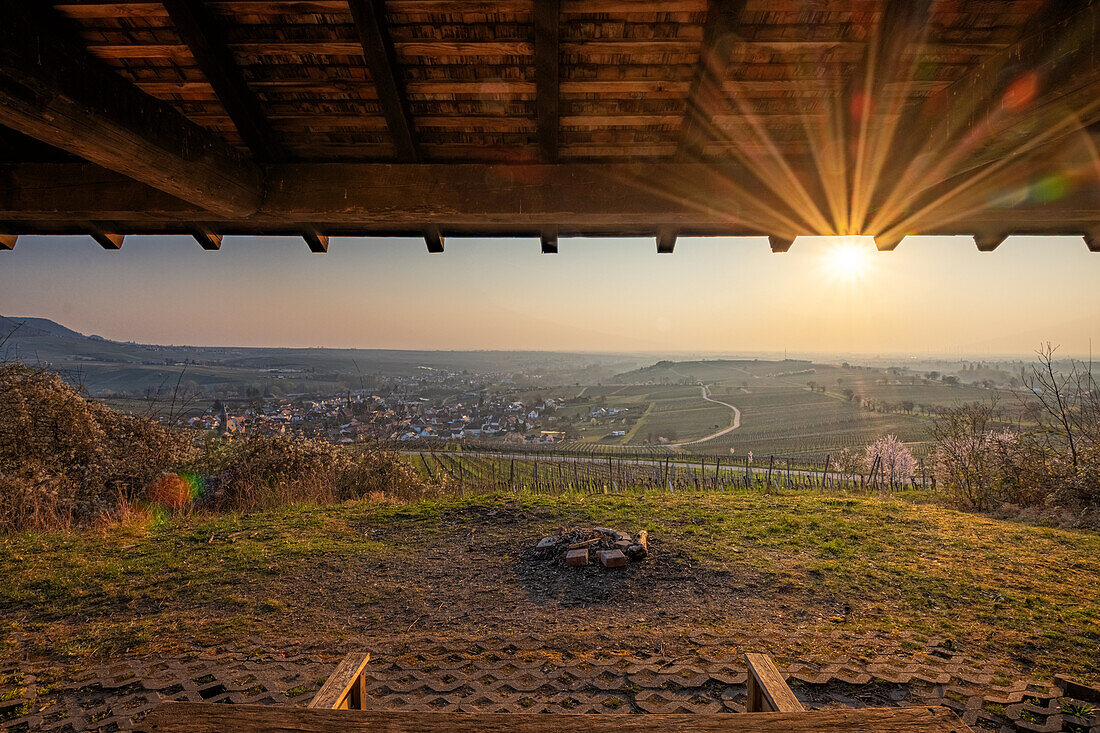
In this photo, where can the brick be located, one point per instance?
(612, 558)
(576, 558)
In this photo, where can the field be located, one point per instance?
(738, 563)
(795, 409)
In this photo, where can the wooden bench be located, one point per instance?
(338, 708)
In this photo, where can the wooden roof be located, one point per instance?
(767, 117)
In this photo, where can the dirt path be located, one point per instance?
(736, 422)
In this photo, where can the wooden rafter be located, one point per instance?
(547, 32)
(706, 95)
(199, 30)
(434, 240)
(207, 238)
(370, 23)
(108, 240)
(549, 242)
(53, 91)
(317, 242)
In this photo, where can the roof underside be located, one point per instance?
(763, 117)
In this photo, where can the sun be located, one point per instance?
(848, 260)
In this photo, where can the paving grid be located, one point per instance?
(591, 673)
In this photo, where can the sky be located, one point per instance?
(932, 295)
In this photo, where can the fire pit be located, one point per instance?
(578, 547)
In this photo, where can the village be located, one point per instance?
(409, 411)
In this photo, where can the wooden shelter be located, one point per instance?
(549, 117)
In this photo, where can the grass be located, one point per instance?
(1028, 595)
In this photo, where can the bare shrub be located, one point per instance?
(257, 472)
(1052, 465)
(66, 460)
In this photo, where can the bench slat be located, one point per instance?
(177, 717)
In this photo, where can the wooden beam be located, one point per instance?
(666, 241)
(706, 97)
(549, 241)
(107, 240)
(207, 239)
(51, 89)
(780, 245)
(434, 240)
(506, 200)
(370, 23)
(317, 242)
(192, 717)
(767, 690)
(199, 30)
(547, 33)
(7, 241)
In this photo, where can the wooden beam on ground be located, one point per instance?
(767, 690)
(549, 242)
(107, 240)
(434, 240)
(199, 30)
(706, 97)
(317, 243)
(207, 239)
(547, 32)
(666, 241)
(370, 23)
(192, 717)
(54, 91)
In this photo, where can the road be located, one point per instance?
(736, 422)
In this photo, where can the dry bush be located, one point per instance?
(259, 472)
(65, 460)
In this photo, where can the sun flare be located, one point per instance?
(849, 261)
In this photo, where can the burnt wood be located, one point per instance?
(177, 717)
(370, 24)
(52, 90)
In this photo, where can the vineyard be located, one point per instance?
(467, 470)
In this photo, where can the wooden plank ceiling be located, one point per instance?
(549, 117)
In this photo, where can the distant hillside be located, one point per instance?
(25, 327)
(130, 368)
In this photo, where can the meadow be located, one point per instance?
(741, 563)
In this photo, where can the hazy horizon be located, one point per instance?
(935, 296)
